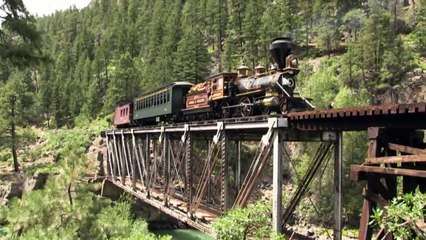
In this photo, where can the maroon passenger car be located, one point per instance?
(123, 114)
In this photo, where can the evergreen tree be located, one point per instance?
(327, 34)
(273, 25)
(192, 58)
(376, 34)
(152, 64)
(251, 26)
(419, 33)
(192, 61)
(166, 58)
(124, 83)
(290, 21)
(133, 33)
(218, 23)
(237, 11)
(230, 56)
(45, 93)
(19, 40)
(16, 99)
(93, 104)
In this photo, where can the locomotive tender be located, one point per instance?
(223, 95)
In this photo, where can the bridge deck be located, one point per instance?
(344, 119)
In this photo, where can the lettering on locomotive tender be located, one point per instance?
(201, 100)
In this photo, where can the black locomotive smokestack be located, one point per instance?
(280, 48)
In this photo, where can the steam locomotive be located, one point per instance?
(223, 95)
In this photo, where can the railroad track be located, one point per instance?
(350, 119)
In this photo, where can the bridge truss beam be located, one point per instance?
(161, 166)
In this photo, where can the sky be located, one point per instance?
(46, 7)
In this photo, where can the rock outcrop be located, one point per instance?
(412, 89)
(97, 156)
(15, 184)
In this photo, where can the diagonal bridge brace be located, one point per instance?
(177, 162)
(207, 169)
(258, 165)
(321, 156)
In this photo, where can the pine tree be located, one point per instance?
(152, 63)
(124, 82)
(93, 103)
(272, 26)
(420, 29)
(230, 56)
(218, 22)
(133, 33)
(19, 40)
(375, 34)
(192, 58)
(251, 26)
(237, 11)
(166, 58)
(61, 90)
(17, 99)
(327, 30)
(45, 93)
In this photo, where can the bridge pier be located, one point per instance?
(165, 157)
(224, 206)
(146, 153)
(338, 186)
(277, 180)
(188, 174)
(238, 170)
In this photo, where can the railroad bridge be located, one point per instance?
(157, 163)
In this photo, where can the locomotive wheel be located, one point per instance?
(223, 111)
(246, 107)
(265, 110)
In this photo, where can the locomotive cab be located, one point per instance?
(207, 100)
(222, 85)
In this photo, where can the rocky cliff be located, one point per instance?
(411, 90)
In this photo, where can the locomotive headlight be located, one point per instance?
(287, 82)
(295, 62)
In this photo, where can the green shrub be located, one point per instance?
(253, 221)
(404, 217)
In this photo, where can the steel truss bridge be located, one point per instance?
(194, 171)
